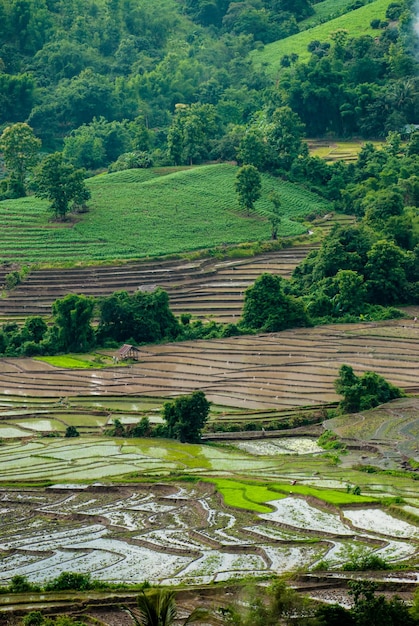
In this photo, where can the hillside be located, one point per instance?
(357, 23)
(139, 213)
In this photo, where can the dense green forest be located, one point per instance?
(123, 84)
(174, 79)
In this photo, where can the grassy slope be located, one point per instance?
(357, 23)
(140, 213)
(323, 12)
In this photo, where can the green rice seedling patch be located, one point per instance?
(84, 420)
(356, 22)
(244, 495)
(68, 362)
(330, 496)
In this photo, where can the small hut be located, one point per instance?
(127, 352)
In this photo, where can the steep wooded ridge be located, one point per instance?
(111, 75)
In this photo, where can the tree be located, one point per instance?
(386, 274)
(60, 183)
(352, 291)
(275, 217)
(269, 309)
(20, 150)
(284, 138)
(361, 393)
(142, 317)
(71, 431)
(158, 608)
(72, 318)
(248, 186)
(189, 137)
(375, 610)
(186, 416)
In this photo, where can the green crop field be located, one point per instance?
(253, 496)
(324, 12)
(142, 213)
(356, 22)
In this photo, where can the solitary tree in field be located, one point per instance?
(186, 416)
(60, 183)
(20, 150)
(248, 186)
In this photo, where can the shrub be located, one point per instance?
(72, 431)
(20, 584)
(70, 581)
(362, 561)
(330, 441)
(12, 279)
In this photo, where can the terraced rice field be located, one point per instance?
(294, 368)
(205, 288)
(173, 534)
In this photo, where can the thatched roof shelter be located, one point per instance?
(127, 352)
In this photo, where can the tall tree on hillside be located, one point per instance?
(20, 150)
(60, 183)
(248, 186)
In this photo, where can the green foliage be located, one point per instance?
(372, 610)
(20, 150)
(186, 416)
(60, 183)
(330, 441)
(362, 560)
(143, 316)
(20, 584)
(12, 279)
(158, 607)
(364, 392)
(71, 431)
(276, 605)
(189, 137)
(132, 160)
(248, 185)
(267, 307)
(70, 581)
(72, 318)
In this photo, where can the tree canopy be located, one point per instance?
(20, 150)
(268, 308)
(186, 416)
(361, 393)
(60, 183)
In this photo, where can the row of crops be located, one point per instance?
(141, 214)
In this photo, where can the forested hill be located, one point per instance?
(174, 79)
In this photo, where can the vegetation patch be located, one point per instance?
(357, 23)
(117, 210)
